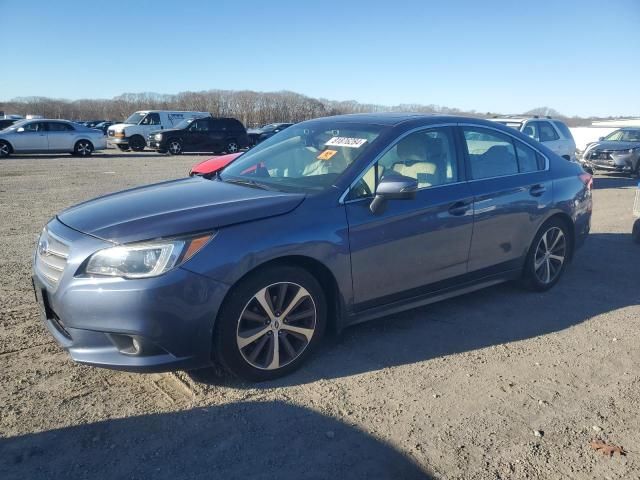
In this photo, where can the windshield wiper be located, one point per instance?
(247, 182)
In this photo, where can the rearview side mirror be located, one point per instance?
(600, 139)
(393, 187)
(20, 130)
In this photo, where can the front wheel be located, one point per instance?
(548, 256)
(83, 148)
(270, 323)
(5, 149)
(123, 148)
(137, 143)
(174, 147)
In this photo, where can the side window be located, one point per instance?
(59, 127)
(547, 132)
(34, 127)
(201, 125)
(217, 125)
(528, 159)
(429, 156)
(491, 154)
(531, 130)
(151, 119)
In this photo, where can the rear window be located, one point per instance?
(564, 130)
(547, 132)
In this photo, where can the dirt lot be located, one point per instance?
(454, 390)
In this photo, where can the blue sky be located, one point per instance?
(581, 57)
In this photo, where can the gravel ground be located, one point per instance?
(454, 390)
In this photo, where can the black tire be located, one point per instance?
(635, 232)
(174, 147)
(83, 148)
(231, 146)
(123, 148)
(536, 278)
(239, 313)
(5, 149)
(137, 143)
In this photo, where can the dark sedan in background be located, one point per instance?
(618, 152)
(329, 223)
(257, 135)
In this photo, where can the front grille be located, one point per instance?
(51, 257)
(598, 155)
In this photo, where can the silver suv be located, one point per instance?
(550, 131)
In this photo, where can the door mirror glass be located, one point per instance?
(393, 186)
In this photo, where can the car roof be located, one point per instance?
(522, 119)
(393, 119)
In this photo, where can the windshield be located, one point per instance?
(184, 123)
(303, 158)
(136, 118)
(16, 125)
(624, 136)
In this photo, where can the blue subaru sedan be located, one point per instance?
(328, 223)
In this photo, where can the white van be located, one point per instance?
(133, 132)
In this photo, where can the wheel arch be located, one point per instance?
(336, 310)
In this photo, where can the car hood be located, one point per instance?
(174, 208)
(602, 145)
(167, 130)
(254, 131)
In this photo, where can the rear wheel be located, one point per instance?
(5, 149)
(123, 148)
(137, 143)
(548, 256)
(83, 148)
(270, 323)
(174, 147)
(232, 147)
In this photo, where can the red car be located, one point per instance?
(213, 164)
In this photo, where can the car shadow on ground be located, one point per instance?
(613, 180)
(493, 316)
(257, 440)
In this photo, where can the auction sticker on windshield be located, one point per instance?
(346, 142)
(326, 154)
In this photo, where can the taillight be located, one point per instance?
(587, 179)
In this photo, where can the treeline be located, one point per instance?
(252, 108)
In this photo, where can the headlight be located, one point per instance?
(158, 136)
(145, 259)
(625, 152)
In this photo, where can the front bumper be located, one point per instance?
(155, 145)
(171, 317)
(118, 140)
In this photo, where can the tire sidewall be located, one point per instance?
(530, 279)
(138, 143)
(169, 147)
(225, 348)
(77, 151)
(2, 155)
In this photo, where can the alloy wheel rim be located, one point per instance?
(83, 148)
(550, 255)
(174, 147)
(4, 150)
(232, 148)
(276, 325)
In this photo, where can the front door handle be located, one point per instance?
(537, 190)
(460, 208)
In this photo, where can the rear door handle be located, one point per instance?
(537, 190)
(460, 208)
